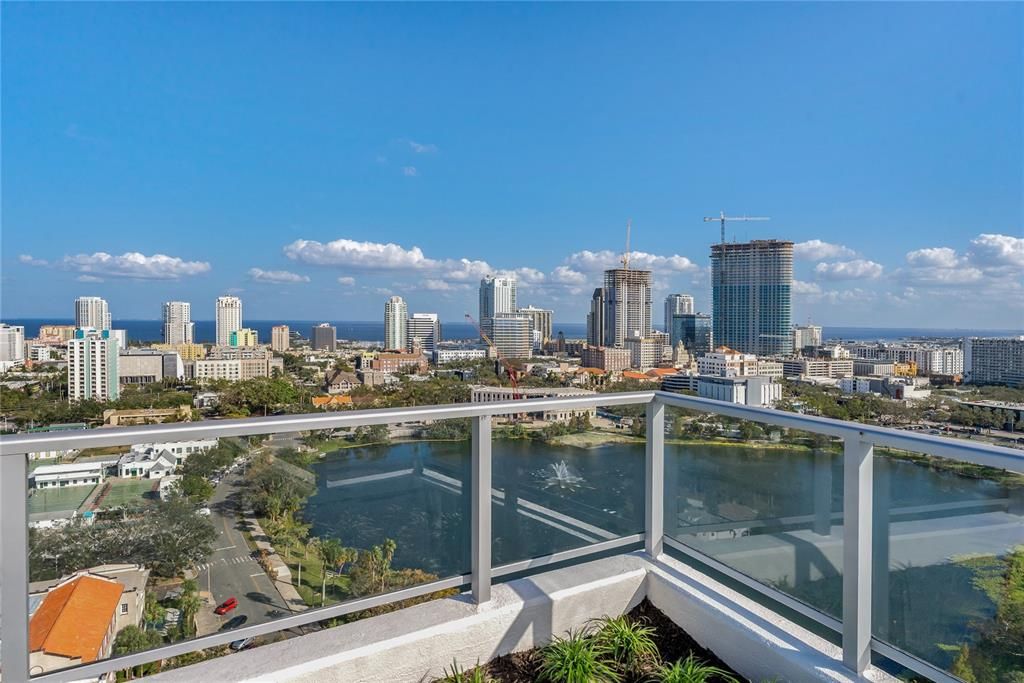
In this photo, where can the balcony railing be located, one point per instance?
(853, 623)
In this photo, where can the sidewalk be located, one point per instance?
(279, 572)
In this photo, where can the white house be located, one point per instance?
(179, 450)
(151, 464)
(68, 474)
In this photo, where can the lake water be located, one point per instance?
(773, 514)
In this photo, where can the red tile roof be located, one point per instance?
(73, 619)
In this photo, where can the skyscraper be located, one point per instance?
(324, 337)
(178, 325)
(806, 335)
(541, 320)
(693, 330)
(595, 319)
(511, 335)
(92, 311)
(676, 304)
(280, 338)
(228, 317)
(92, 366)
(751, 306)
(396, 315)
(627, 305)
(12, 346)
(497, 296)
(426, 328)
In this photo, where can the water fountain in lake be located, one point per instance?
(558, 475)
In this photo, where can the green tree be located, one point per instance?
(133, 639)
(372, 569)
(190, 603)
(332, 554)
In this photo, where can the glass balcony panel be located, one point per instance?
(763, 500)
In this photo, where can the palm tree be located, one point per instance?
(190, 603)
(332, 553)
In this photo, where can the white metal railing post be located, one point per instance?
(480, 494)
(654, 479)
(14, 653)
(858, 467)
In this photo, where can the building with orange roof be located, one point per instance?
(75, 623)
(336, 401)
(633, 374)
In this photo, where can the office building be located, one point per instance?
(595, 319)
(234, 364)
(627, 305)
(323, 337)
(541, 321)
(805, 336)
(424, 328)
(92, 311)
(751, 306)
(645, 352)
(994, 360)
(12, 346)
(185, 351)
(178, 325)
(228, 315)
(817, 367)
(606, 358)
(726, 362)
(396, 318)
(497, 297)
(694, 330)
(449, 355)
(92, 366)
(243, 337)
(676, 304)
(58, 335)
(148, 366)
(751, 391)
(947, 361)
(510, 335)
(280, 338)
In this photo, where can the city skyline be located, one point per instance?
(420, 198)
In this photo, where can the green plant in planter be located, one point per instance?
(576, 658)
(629, 643)
(693, 670)
(457, 674)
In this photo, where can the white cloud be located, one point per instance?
(422, 148)
(361, 255)
(89, 278)
(998, 250)
(936, 257)
(592, 261)
(132, 265)
(30, 260)
(279, 277)
(801, 288)
(568, 276)
(410, 171)
(436, 285)
(346, 281)
(857, 269)
(816, 250)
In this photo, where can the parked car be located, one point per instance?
(226, 606)
(234, 622)
(241, 644)
(203, 511)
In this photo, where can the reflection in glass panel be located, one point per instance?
(763, 500)
(949, 557)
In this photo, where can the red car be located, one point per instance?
(226, 606)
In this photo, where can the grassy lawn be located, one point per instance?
(125, 491)
(312, 577)
(58, 499)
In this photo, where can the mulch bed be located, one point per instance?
(673, 644)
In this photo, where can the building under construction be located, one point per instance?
(751, 296)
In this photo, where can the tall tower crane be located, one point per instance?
(625, 254)
(512, 372)
(721, 217)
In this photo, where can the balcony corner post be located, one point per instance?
(480, 494)
(14, 652)
(857, 561)
(654, 479)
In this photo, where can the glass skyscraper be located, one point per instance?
(751, 288)
(694, 330)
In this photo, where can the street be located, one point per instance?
(232, 569)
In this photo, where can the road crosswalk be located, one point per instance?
(224, 561)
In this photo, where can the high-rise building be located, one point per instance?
(497, 297)
(178, 325)
(693, 330)
(751, 286)
(396, 316)
(324, 337)
(676, 304)
(280, 338)
(426, 328)
(12, 346)
(541, 320)
(627, 305)
(510, 334)
(806, 335)
(244, 337)
(595, 319)
(229, 318)
(92, 366)
(92, 311)
(994, 360)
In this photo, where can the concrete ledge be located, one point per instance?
(416, 643)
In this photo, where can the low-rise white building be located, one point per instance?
(726, 362)
(68, 474)
(487, 394)
(750, 391)
(158, 460)
(442, 356)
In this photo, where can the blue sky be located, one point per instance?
(315, 158)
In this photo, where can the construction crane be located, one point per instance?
(625, 254)
(511, 371)
(723, 218)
